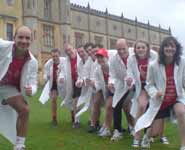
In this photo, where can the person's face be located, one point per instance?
(82, 53)
(170, 49)
(122, 50)
(55, 55)
(141, 50)
(69, 51)
(102, 61)
(89, 50)
(23, 38)
(93, 52)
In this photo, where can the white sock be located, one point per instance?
(20, 140)
(77, 119)
(130, 126)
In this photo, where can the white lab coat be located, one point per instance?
(48, 71)
(68, 83)
(133, 72)
(8, 116)
(83, 74)
(92, 70)
(156, 80)
(118, 73)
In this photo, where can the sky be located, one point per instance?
(167, 13)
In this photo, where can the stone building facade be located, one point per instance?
(55, 22)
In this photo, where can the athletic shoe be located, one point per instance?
(92, 129)
(164, 140)
(131, 131)
(145, 142)
(76, 125)
(151, 140)
(106, 132)
(54, 123)
(19, 147)
(182, 148)
(101, 130)
(136, 143)
(116, 135)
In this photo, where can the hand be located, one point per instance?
(159, 94)
(111, 87)
(79, 83)
(129, 81)
(28, 90)
(90, 83)
(87, 82)
(48, 77)
(61, 80)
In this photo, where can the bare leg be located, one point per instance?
(179, 109)
(53, 96)
(20, 106)
(75, 110)
(142, 104)
(126, 108)
(156, 129)
(96, 108)
(108, 113)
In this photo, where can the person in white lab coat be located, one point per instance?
(83, 73)
(69, 76)
(18, 79)
(165, 85)
(102, 94)
(117, 84)
(136, 76)
(91, 50)
(51, 71)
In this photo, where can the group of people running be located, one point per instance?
(148, 86)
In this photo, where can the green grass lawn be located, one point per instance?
(42, 136)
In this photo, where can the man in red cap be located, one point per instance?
(99, 84)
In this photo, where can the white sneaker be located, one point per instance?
(136, 143)
(145, 142)
(106, 132)
(182, 148)
(101, 130)
(19, 147)
(164, 140)
(131, 130)
(116, 135)
(152, 140)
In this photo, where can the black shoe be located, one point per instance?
(76, 125)
(89, 123)
(124, 130)
(98, 126)
(92, 129)
(54, 123)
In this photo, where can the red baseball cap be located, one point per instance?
(102, 52)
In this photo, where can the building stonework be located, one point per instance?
(56, 22)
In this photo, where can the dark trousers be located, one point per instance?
(117, 113)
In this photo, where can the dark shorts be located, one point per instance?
(54, 86)
(143, 85)
(76, 91)
(109, 93)
(165, 113)
(8, 91)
